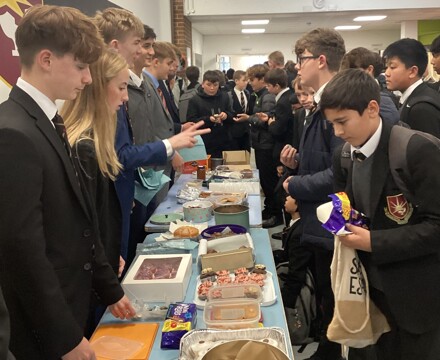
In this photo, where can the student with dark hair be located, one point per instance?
(292, 73)
(280, 121)
(319, 52)
(406, 61)
(435, 61)
(213, 107)
(262, 140)
(400, 251)
(192, 74)
(370, 62)
(230, 83)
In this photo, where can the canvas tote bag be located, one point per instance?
(357, 322)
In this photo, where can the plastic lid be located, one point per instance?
(115, 348)
(165, 219)
(235, 291)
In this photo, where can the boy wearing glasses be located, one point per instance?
(319, 56)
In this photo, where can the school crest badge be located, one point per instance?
(11, 12)
(398, 209)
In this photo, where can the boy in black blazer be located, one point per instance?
(280, 122)
(240, 105)
(406, 61)
(51, 254)
(401, 250)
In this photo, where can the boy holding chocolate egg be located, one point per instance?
(401, 250)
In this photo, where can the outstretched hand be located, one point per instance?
(241, 117)
(186, 139)
(122, 309)
(287, 157)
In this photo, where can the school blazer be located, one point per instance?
(50, 253)
(407, 255)
(422, 116)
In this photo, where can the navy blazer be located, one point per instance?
(407, 255)
(131, 157)
(313, 181)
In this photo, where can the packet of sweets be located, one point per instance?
(180, 319)
(341, 213)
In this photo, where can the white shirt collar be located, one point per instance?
(136, 79)
(371, 145)
(317, 96)
(46, 104)
(281, 93)
(238, 92)
(408, 91)
(293, 221)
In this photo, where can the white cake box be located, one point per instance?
(161, 278)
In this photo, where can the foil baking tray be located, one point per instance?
(195, 344)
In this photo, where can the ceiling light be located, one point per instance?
(253, 31)
(347, 27)
(254, 22)
(370, 18)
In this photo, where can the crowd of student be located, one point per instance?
(70, 220)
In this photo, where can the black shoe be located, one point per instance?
(277, 236)
(272, 222)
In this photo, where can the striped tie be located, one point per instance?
(61, 131)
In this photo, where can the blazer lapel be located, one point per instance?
(380, 170)
(43, 123)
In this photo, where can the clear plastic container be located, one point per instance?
(233, 307)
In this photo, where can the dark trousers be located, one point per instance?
(398, 344)
(268, 180)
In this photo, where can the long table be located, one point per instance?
(170, 205)
(273, 315)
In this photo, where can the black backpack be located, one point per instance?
(302, 320)
(399, 139)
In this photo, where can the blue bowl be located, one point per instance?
(236, 229)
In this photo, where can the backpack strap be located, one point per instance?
(346, 162)
(423, 99)
(398, 142)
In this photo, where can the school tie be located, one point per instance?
(162, 97)
(61, 131)
(242, 103)
(357, 154)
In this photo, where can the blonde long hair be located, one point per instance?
(90, 117)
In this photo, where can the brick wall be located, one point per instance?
(182, 33)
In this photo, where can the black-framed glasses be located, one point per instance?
(300, 59)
